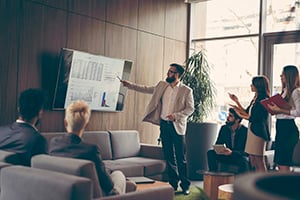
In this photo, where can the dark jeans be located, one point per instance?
(234, 159)
(174, 152)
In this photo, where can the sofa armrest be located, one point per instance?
(151, 151)
(159, 193)
(18, 182)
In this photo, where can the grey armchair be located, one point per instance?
(86, 169)
(19, 182)
(77, 167)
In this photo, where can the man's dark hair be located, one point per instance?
(31, 101)
(231, 110)
(179, 68)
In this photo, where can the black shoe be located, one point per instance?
(185, 189)
(186, 192)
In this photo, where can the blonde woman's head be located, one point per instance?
(77, 116)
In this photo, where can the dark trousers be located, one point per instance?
(174, 152)
(234, 159)
(287, 136)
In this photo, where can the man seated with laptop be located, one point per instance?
(230, 145)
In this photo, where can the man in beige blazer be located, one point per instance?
(171, 104)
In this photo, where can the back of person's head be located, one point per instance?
(77, 116)
(262, 85)
(236, 116)
(178, 67)
(31, 102)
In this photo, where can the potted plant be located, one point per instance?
(196, 76)
(200, 136)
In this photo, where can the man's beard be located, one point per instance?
(170, 79)
(229, 123)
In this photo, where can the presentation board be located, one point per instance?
(93, 78)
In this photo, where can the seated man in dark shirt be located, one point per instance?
(77, 116)
(22, 136)
(234, 136)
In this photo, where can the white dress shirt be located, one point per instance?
(168, 101)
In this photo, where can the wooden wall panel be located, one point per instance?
(86, 34)
(174, 52)
(54, 3)
(151, 16)
(43, 34)
(149, 72)
(176, 20)
(91, 8)
(121, 43)
(123, 12)
(8, 60)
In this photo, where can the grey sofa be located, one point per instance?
(19, 182)
(122, 150)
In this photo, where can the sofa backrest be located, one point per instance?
(102, 140)
(112, 144)
(78, 167)
(19, 182)
(124, 143)
(49, 135)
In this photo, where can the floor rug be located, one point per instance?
(196, 193)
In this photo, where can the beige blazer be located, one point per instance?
(184, 104)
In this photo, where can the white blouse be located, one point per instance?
(294, 102)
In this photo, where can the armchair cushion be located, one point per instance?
(125, 143)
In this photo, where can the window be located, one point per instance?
(232, 33)
(282, 15)
(229, 32)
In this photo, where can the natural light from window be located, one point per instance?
(229, 32)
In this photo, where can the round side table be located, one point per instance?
(225, 191)
(212, 180)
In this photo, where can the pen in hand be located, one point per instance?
(118, 77)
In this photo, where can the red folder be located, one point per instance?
(276, 99)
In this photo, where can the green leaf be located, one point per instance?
(196, 76)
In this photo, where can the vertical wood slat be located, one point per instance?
(149, 72)
(91, 8)
(8, 60)
(123, 12)
(151, 16)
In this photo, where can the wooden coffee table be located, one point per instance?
(144, 186)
